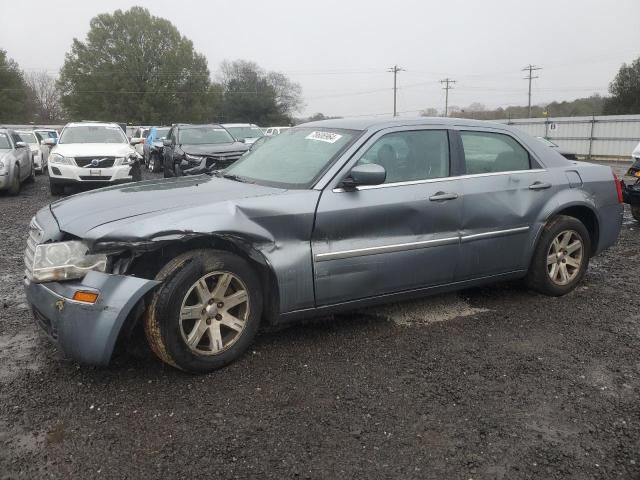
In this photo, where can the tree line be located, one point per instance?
(137, 68)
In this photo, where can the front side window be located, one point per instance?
(413, 155)
(204, 136)
(486, 152)
(293, 159)
(92, 134)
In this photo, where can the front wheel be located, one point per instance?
(206, 312)
(561, 257)
(56, 188)
(635, 212)
(14, 188)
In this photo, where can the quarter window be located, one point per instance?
(486, 152)
(408, 156)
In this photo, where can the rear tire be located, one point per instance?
(187, 323)
(168, 168)
(635, 212)
(32, 176)
(561, 257)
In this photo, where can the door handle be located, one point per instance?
(442, 196)
(539, 186)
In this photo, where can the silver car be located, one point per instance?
(324, 217)
(16, 162)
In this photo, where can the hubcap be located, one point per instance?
(564, 258)
(214, 313)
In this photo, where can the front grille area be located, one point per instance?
(95, 178)
(223, 160)
(35, 237)
(101, 162)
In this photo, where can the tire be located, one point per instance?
(168, 168)
(32, 176)
(213, 331)
(558, 234)
(635, 212)
(14, 189)
(56, 188)
(154, 164)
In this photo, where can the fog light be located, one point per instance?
(86, 297)
(55, 170)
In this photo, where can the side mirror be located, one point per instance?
(50, 141)
(21, 145)
(365, 174)
(241, 140)
(166, 142)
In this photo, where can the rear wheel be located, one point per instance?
(635, 211)
(168, 168)
(561, 257)
(32, 176)
(206, 312)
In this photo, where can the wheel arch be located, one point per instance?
(582, 211)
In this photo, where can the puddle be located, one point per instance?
(425, 311)
(18, 353)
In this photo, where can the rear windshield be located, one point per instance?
(93, 134)
(28, 137)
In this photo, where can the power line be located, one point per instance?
(395, 69)
(447, 86)
(530, 68)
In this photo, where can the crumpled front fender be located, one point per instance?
(87, 332)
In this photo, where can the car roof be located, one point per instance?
(95, 124)
(377, 123)
(239, 125)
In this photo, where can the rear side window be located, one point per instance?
(486, 152)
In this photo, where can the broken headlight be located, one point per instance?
(65, 261)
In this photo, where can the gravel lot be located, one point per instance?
(489, 383)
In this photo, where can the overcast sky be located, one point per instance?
(339, 51)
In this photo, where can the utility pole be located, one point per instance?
(447, 86)
(530, 68)
(395, 69)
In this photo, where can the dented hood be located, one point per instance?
(85, 213)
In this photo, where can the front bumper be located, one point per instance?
(86, 332)
(631, 190)
(62, 173)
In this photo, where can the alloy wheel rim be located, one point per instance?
(214, 313)
(564, 257)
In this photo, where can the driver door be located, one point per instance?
(396, 236)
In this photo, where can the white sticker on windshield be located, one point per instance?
(328, 137)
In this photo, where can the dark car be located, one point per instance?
(195, 149)
(327, 216)
(153, 148)
(631, 184)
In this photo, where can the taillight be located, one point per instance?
(618, 186)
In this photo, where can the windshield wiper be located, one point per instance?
(236, 178)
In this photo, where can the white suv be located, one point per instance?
(92, 153)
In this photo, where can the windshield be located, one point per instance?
(4, 142)
(161, 132)
(28, 137)
(47, 133)
(204, 135)
(93, 134)
(293, 159)
(245, 132)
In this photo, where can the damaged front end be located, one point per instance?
(78, 304)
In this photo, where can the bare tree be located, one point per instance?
(46, 96)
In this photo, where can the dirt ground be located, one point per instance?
(490, 383)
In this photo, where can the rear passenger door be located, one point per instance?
(504, 189)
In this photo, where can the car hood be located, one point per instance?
(90, 149)
(86, 214)
(207, 149)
